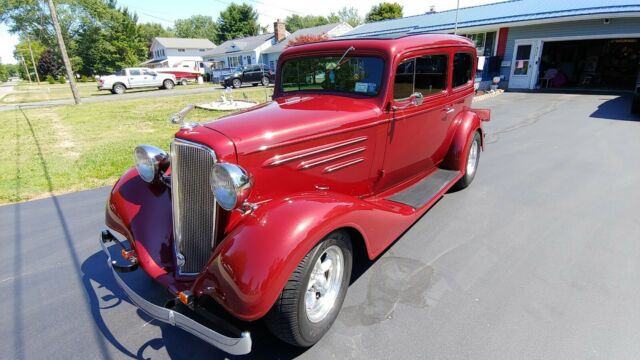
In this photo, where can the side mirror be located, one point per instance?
(415, 99)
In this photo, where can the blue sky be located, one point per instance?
(165, 12)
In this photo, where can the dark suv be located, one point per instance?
(248, 74)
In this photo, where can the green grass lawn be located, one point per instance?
(67, 148)
(31, 92)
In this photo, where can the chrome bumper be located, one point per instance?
(234, 346)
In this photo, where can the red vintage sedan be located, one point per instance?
(261, 214)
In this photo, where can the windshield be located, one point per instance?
(357, 75)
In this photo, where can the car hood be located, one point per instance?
(293, 118)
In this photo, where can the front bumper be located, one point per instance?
(233, 345)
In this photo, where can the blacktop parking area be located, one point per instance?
(538, 259)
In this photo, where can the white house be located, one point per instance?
(270, 56)
(167, 52)
(237, 52)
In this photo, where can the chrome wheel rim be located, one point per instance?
(237, 83)
(472, 161)
(324, 284)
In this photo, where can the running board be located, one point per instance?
(420, 193)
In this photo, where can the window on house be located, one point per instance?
(272, 65)
(201, 50)
(162, 52)
(248, 60)
(462, 66)
(181, 50)
(233, 62)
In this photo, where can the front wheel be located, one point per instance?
(236, 83)
(311, 300)
(473, 158)
(168, 84)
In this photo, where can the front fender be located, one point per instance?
(468, 123)
(255, 260)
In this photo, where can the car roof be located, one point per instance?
(390, 44)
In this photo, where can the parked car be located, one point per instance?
(249, 74)
(133, 78)
(263, 213)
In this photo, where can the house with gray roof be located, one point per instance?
(270, 56)
(529, 44)
(240, 52)
(168, 52)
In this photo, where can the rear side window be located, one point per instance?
(426, 75)
(462, 64)
(134, 72)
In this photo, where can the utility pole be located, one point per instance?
(26, 69)
(63, 51)
(32, 60)
(455, 30)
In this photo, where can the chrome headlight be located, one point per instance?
(150, 161)
(230, 184)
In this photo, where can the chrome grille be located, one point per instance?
(194, 207)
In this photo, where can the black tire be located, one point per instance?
(468, 177)
(265, 81)
(236, 83)
(168, 84)
(184, 82)
(119, 89)
(288, 319)
(635, 104)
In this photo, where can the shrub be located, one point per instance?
(62, 80)
(50, 79)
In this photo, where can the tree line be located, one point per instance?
(103, 37)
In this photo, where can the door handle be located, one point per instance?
(448, 110)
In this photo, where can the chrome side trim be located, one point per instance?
(284, 158)
(336, 167)
(234, 346)
(319, 161)
(176, 206)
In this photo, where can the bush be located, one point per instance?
(62, 80)
(50, 79)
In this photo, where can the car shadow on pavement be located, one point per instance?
(618, 108)
(179, 344)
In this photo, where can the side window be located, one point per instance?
(134, 72)
(403, 84)
(431, 74)
(462, 66)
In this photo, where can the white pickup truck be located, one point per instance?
(133, 78)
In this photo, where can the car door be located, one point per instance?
(135, 78)
(416, 129)
(151, 78)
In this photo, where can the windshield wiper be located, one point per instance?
(343, 55)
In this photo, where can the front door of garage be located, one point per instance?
(524, 66)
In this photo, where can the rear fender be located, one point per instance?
(253, 263)
(468, 123)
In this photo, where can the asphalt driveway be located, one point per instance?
(538, 259)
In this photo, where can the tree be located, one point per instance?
(384, 11)
(237, 21)
(149, 31)
(349, 15)
(295, 22)
(197, 26)
(49, 64)
(22, 50)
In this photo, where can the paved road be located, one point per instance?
(538, 259)
(109, 97)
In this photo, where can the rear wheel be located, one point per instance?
(265, 81)
(168, 84)
(119, 89)
(311, 300)
(183, 82)
(473, 158)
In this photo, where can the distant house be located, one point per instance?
(587, 44)
(238, 52)
(270, 56)
(168, 52)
